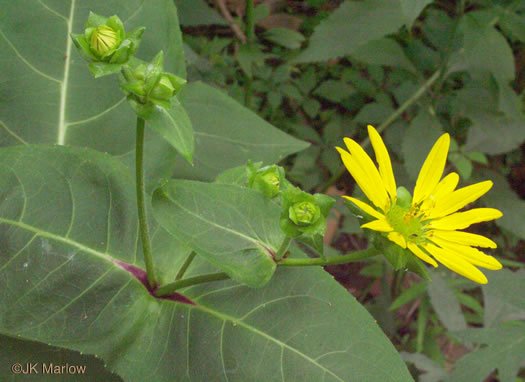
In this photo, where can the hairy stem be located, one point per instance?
(351, 257)
(172, 287)
(141, 204)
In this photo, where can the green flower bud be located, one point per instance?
(103, 39)
(105, 44)
(304, 213)
(164, 90)
(268, 180)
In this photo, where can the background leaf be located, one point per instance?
(197, 12)
(502, 197)
(420, 136)
(228, 135)
(351, 25)
(505, 351)
(445, 303)
(384, 51)
(412, 8)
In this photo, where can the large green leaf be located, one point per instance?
(235, 228)
(67, 224)
(50, 96)
(228, 135)
(13, 351)
(351, 25)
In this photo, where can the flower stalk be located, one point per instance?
(343, 259)
(141, 203)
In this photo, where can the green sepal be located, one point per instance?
(94, 21)
(400, 258)
(114, 23)
(122, 54)
(158, 61)
(135, 87)
(83, 46)
(100, 69)
(404, 198)
(134, 37)
(166, 104)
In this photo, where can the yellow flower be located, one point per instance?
(427, 225)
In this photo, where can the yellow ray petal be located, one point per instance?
(432, 169)
(422, 255)
(383, 159)
(446, 186)
(362, 179)
(464, 238)
(462, 220)
(397, 238)
(378, 225)
(456, 263)
(368, 167)
(472, 255)
(365, 207)
(442, 190)
(459, 199)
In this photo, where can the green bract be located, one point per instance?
(105, 44)
(269, 180)
(147, 85)
(303, 213)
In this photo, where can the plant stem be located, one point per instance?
(185, 265)
(250, 22)
(351, 257)
(391, 118)
(282, 249)
(141, 204)
(250, 38)
(172, 287)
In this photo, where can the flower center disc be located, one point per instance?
(404, 221)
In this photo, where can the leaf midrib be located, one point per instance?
(62, 126)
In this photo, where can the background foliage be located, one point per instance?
(315, 72)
